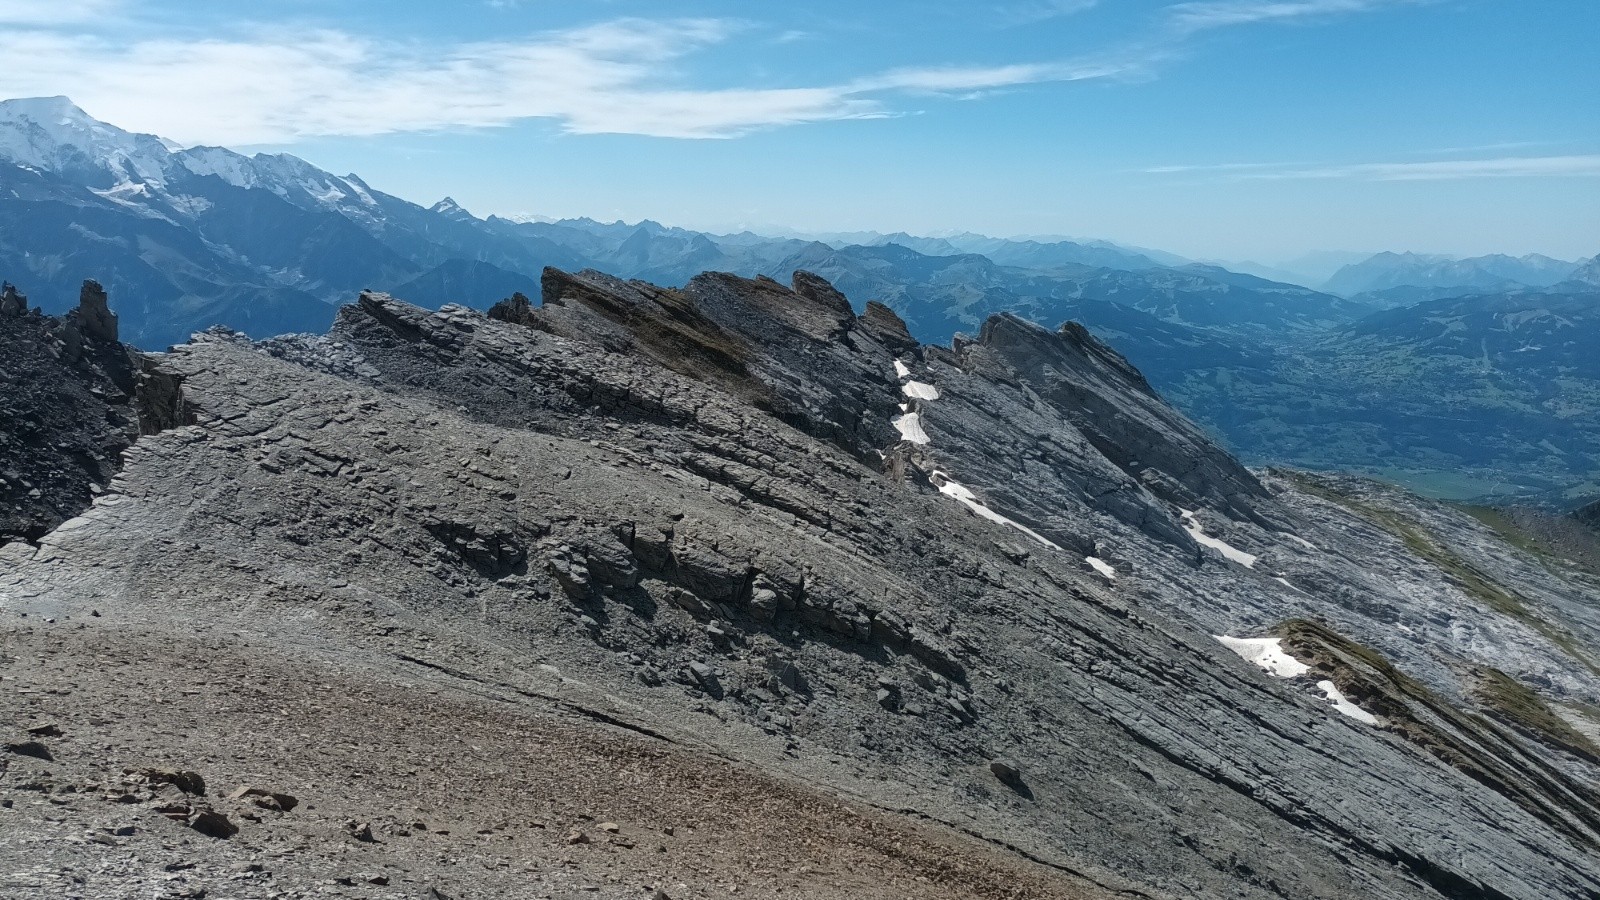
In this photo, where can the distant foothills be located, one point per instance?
(1461, 378)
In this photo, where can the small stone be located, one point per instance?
(361, 831)
(188, 782)
(577, 837)
(1005, 770)
(211, 823)
(785, 675)
(30, 748)
(270, 800)
(706, 677)
(50, 730)
(124, 830)
(610, 827)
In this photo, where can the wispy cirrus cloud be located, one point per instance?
(279, 87)
(55, 12)
(282, 86)
(1037, 11)
(1203, 15)
(276, 86)
(1577, 165)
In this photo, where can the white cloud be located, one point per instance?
(1502, 167)
(1207, 14)
(952, 78)
(54, 12)
(1219, 167)
(615, 77)
(1436, 170)
(280, 86)
(1036, 11)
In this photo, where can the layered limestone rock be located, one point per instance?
(981, 583)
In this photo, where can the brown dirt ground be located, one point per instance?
(497, 788)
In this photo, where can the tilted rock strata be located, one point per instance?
(688, 511)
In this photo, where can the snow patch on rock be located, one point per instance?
(1228, 551)
(910, 428)
(1342, 703)
(970, 500)
(1268, 653)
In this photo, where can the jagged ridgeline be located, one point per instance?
(729, 586)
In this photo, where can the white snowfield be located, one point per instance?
(910, 427)
(1229, 552)
(51, 134)
(970, 500)
(1342, 704)
(1268, 653)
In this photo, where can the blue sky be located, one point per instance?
(1232, 129)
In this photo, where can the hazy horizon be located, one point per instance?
(1231, 130)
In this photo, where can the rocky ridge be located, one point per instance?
(73, 398)
(977, 585)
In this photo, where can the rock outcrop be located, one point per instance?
(979, 584)
(72, 399)
(1588, 514)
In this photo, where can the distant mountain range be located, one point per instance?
(1388, 271)
(186, 238)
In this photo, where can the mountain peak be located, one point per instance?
(54, 134)
(449, 207)
(43, 108)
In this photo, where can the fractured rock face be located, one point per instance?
(12, 302)
(72, 399)
(688, 512)
(93, 317)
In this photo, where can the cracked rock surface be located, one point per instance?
(662, 559)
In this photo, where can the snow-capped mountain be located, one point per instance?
(192, 237)
(187, 237)
(53, 135)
